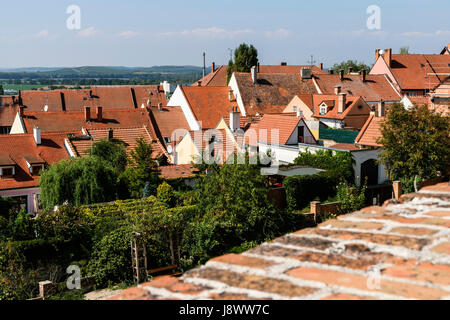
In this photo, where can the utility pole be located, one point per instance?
(231, 53)
(204, 64)
(312, 61)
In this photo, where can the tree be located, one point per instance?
(245, 57)
(166, 194)
(142, 169)
(404, 50)
(78, 181)
(416, 142)
(111, 151)
(355, 65)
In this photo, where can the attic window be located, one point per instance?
(36, 169)
(7, 172)
(323, 109)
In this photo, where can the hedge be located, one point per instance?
(301, 190)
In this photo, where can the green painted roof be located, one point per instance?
(340, 136)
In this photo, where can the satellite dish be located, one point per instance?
(169, 149)
(381, 51)
(46, 108)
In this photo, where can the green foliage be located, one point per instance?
(21, 226)
(341, 163)
(111, 260)
(415, 142)
(350, 198)
(301, 190)
(142, 170)
(404, 50)
(166, 194)
(78, 181)
(245, 57)
(355, 65)
(112, 152)
(408, 183)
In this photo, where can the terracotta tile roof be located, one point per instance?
(209, 104)
(398, 251)
(271, 90)
(8, 110)
(167, 120)
(82, 144)
(375, 88)
(332, 106)
(219, 77)
(109, 97)
(177, 171)
(370, 132)
(19, 147)
(416, 71)
(284, 123)
(345, 146)
(245, 122)
(58, 121)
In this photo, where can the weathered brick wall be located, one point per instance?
(399, 251)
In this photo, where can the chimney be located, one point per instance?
(199, 83)
(331, 71)
(321, 66)
(341, 74)
(377, 54)
(110, 134)
(204, 64)
(37, 135)
(387, 56)
(254, 75)
(235, 119)
(381, 110)
(337, 89)
(350, 70)
(258, 67)
(373, 110)
(99, 114)
(21, 111)
(341, 102)
(213, 67)
(87, 114)
(299, 113)
(160, 107)
(230, 95)
(363, 75)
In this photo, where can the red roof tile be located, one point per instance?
(371, 132)
(375, 88)
(177, 171)
(209, 104)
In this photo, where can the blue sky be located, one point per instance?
(147, 32)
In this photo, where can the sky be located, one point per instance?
(177, 32)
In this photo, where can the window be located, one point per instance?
(323, 110)
(7, 172)
(36, 170)
(167, 140)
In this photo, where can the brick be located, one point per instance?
(426, 272)
(437, 188)
(350, 259)
(244, 261)
(344, 296)
(352, 225)
(438, 213)
(248, 281)
(385, 239)
(414, 231)
(360, 282)
(133, 294)
(161, 282)
(316, 243)
(442, 248)
(229, 296)
(175, 285)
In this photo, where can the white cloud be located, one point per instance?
(212, 32)
(416, 34)
(129, 34)
(89, 32)
(280, 33)
(41, 34)
(443, 32)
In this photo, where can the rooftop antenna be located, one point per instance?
(312, 61)
(204, 64)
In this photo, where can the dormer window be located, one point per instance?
(7, 172)
(323, 109)
(36, 169)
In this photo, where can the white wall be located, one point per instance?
(361, 156)
(234, 86)
(18, 126)
(333, 123)
(179, 100)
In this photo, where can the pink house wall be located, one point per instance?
(380, 67)
(30, 192)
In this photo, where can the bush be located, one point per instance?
(111, 258)
(22, 226)
(166, 194)
(301, 190)
(350, 198)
